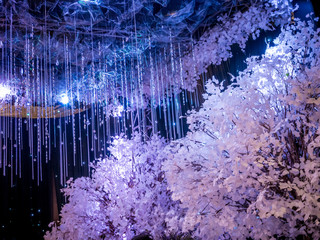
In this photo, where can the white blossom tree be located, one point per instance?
(126, 196)
(250, 164)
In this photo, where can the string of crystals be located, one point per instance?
(73, 104)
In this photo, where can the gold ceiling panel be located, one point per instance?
(7, 110)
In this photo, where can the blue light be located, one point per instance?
(96, 2)
(64, 98)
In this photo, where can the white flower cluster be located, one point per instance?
(126, 196)
(250, 165)
(215, 45)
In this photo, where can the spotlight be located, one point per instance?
(64, 98)
(4, 91)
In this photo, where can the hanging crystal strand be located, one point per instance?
(137, 101)
(3, 119)
(133, 95)
(4, 122)
(38, 127)
(92, 78)
(15, 120)
(60, 149)
(54, 112)
(99, 123)
(104, 108)
(4, 133)
(10, 79)
(194, 72)
(107, 118)
(27, 76)
(121, 106)
(46, 106)
(125, 75)
(155, 118)
(73, 117)
(63, 141)
(172, 87)
(62, 144)
(178, 94)
(168, 94)
(42, 88)
(41, 120)
(43, 112)
(181, 76)
(86, 121)
(130, 99)
(115, 102)
(139, 88)
(152, 92)
(79, 102)
(31, 104)
(50, 96)
(65, 116)
(164, 103)
(7, 126)
(118, 91)
(88, 138)
(79, 105)
(143, 117)
(46, 82)
(65, 150)
(158, 83)
(20, 142)
(66, 66)
(127, 116)
(176, 123)
(93, 112)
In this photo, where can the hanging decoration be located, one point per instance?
(75, 74)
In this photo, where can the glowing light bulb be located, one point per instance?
(64, 98)
(4, 91)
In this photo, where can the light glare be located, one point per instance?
(64, 98)
(4, 91)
